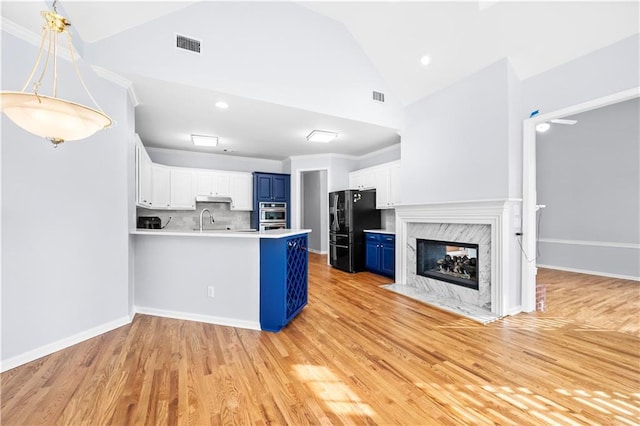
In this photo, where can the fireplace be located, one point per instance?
(453, 262)
(490, 224)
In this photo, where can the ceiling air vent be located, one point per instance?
(187, 43)
(378, 96)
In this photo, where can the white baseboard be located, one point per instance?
(584, 271)
(62, 344)
(515, 310)
(316, 251)
(231, 322)
(50, 348)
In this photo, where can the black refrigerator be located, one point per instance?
(350, 212)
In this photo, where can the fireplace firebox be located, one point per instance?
(453, 262)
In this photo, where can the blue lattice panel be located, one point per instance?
(296, 274)
(283, 280)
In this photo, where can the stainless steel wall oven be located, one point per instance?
(272, 215)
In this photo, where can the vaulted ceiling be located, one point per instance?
(286, 68)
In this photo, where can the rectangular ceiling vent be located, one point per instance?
(378, 96)
(187, 43)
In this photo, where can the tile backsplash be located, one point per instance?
(187, 220)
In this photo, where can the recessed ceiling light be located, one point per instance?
(201, 140)
(321, 136)
(222, 105)
(543, 127)
(425, 60)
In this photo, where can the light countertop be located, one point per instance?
(221, 233)
(380, 231)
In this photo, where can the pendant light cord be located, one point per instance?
(35, 66)
(75, 66)
(36, 85)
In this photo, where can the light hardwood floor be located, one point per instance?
(357, 354)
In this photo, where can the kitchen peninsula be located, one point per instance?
(247, 279)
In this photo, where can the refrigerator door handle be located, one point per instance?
(336, 223)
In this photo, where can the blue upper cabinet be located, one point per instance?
(280, 188)
(271, 187)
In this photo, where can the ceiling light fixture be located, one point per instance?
(425, 60)
(321, 136)
(222, 105)
(543, 127)
(55, 119)
(202, 140)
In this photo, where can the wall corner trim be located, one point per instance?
(119, 80)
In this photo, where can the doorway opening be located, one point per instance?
(314, 209)
(530, 205)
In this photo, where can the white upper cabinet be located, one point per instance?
(388, 185)
(175, 188)
(394, 183)
(383, 178)
(383, 189)
(182, 189)
(212, 183)
(241, 191)
(362, 179)
(143, 177)
(161, 191)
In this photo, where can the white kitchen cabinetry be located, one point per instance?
(394, 183)
(362, 179)
(182, 189)
(144, 178)
(383, 188)
(388, 185)
(160, 189)
(241, 191)
(212, 183)
(384, 179)
(175, 188)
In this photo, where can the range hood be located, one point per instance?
(212, 199)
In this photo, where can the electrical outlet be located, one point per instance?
(211, 291)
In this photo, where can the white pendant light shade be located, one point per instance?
(52, 118)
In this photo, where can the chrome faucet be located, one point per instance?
(202, 213)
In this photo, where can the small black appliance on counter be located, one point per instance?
(149, 222)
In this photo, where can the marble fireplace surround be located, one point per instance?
(486, 223)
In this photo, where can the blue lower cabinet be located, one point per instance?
(380, 253)
(283, 280)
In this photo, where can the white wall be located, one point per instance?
(606, 71)
(455, 145)
(261, 50)
(203, 160)
(382, 156)
(65, 219)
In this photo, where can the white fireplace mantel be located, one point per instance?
(502, 215)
